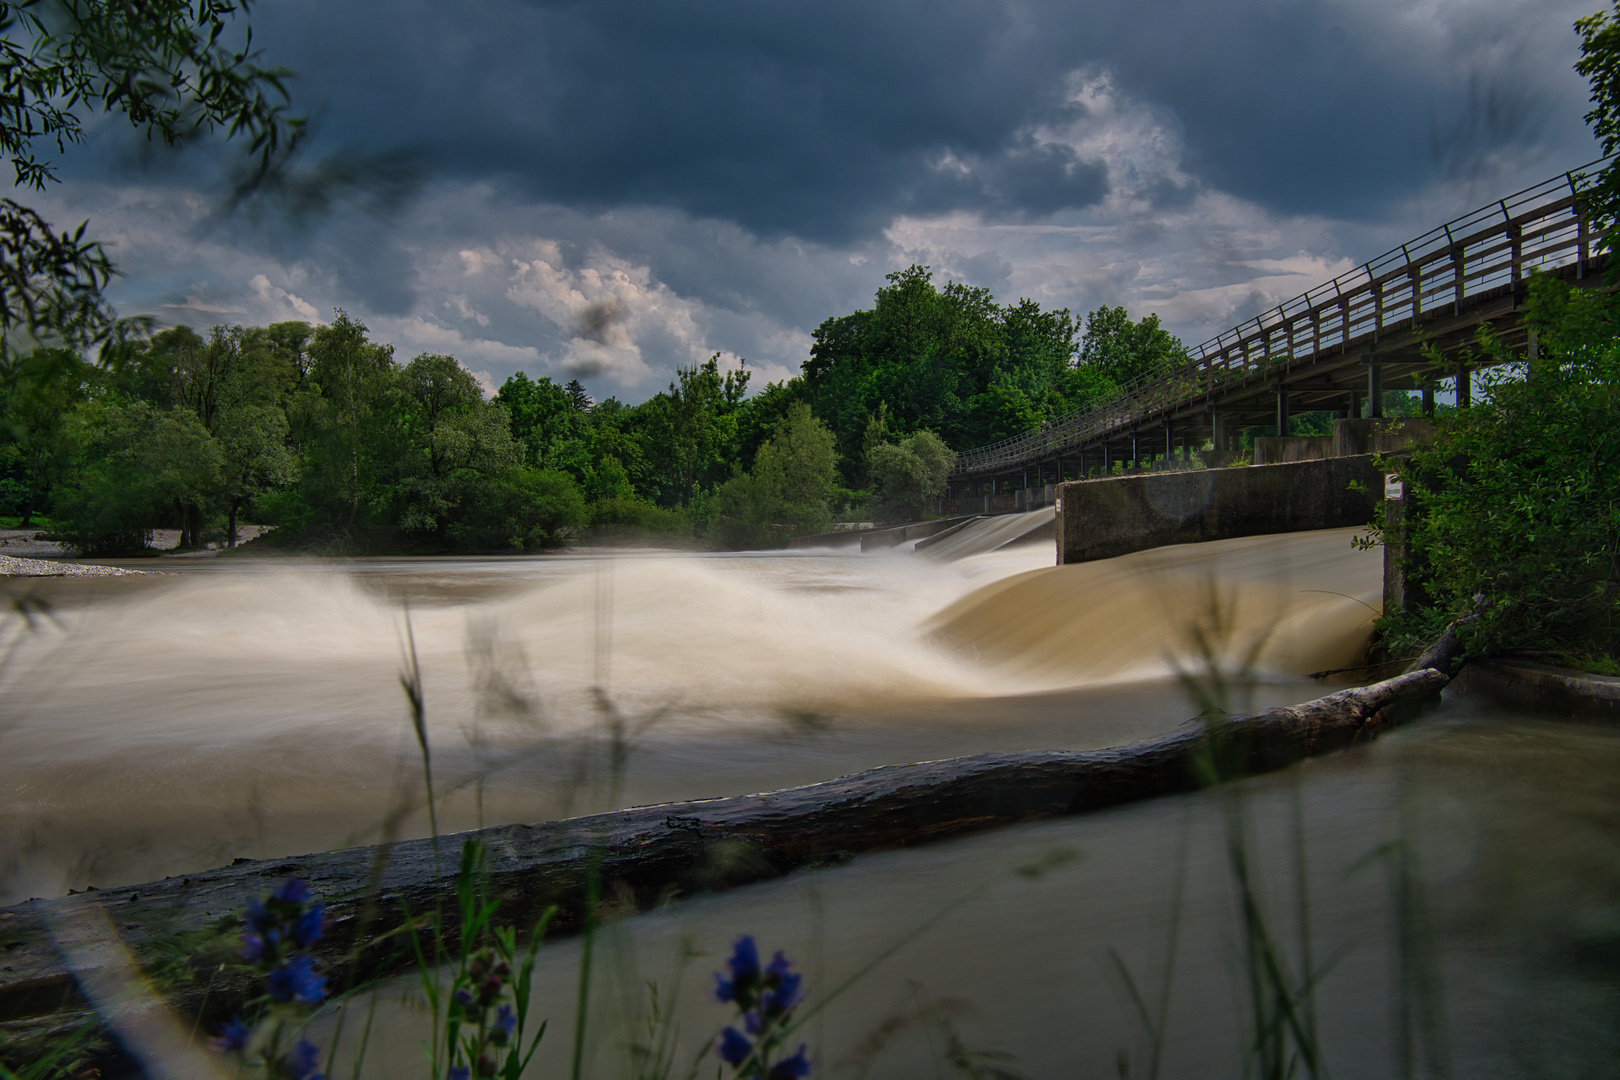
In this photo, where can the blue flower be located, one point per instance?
(796, 1067)
(310, 924)
(297, 980)
(734, 1046)
(232, 1037)
(257, 916)
(461, 1072)
(744, 964)
(291, 891)
(302, 1061)
(252, 945)
(505, 1021)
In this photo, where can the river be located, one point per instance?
(1458, 876)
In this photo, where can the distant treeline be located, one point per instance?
(324, 433)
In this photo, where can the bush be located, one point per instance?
(522, 508)
(1516, 501)
(909, 475)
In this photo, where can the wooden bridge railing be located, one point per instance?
(1496, 246)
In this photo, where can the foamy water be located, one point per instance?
(256, 709)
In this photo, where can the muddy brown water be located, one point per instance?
(1459, 878)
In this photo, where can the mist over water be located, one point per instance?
(173, 723)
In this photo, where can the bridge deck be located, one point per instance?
(1364, 330)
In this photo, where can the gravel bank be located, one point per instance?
(11, 566)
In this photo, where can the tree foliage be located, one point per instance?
(952, 361)
(909, 475)
(173, 70)
(1512, 514)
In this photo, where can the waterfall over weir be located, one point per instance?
(252, 709)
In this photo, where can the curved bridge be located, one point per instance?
(1337, 347)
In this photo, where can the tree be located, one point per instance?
(1600, 63)
(37, 393)
(166, 68)
(1515, 502)
(909, 475)
(455, 436)
(788, 491)
(1124, 351)
(947, 359)
(344, 423)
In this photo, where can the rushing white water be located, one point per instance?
(173, 723)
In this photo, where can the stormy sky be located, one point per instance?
(612, 189)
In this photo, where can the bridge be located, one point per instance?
(1338, 347)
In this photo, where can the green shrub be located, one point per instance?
(522, 508)
(1518, 501)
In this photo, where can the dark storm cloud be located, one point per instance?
(825, 120)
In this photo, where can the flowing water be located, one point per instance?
(253, 709)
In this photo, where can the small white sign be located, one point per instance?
(1394, 490)
(1060, 504)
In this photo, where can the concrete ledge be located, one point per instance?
(1542, 687)
(1380, 436)
(1116, 515)
(888, 538)
(961, 523)
(1272, 450)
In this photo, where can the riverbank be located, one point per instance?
(11, 566)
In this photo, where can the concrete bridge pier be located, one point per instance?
(1375, 387)
(1464, 387)
(1282, 410)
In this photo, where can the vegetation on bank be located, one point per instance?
(323, 433)
(1511, 524)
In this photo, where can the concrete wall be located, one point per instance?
(1274, 450)
(1098, 519)
(1380, 436)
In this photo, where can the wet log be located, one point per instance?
(55, 953)
(1445, 653)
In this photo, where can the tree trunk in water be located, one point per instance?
(644, 857)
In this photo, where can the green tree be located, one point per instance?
(691, 429)
(1515, 502)
(788, 492)
(1124, 351)
(456, 437)
(909, 475)
(946, 359)
(137, 461)
(38, 391)
(165, 67)
(343, 421)
(1600, 63)
(522, 508)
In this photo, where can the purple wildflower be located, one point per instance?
(297, 980)
(308, 929)
(505, 1024)
(302, 1061)
(796, 1067)
(744, 981)
(232, 1037)
(734, 1046)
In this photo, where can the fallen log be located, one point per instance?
(55, 954)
